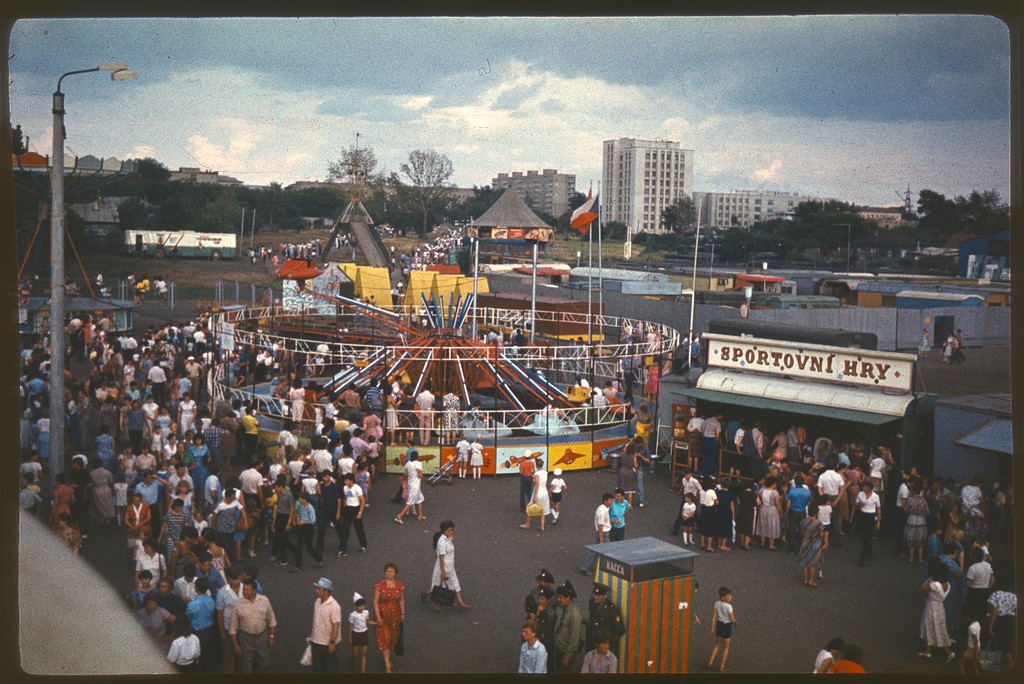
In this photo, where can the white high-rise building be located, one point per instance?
(640, 178)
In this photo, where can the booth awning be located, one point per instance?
(853, 404)
(996, 436)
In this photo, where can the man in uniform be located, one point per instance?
(568, 631)
(547, 616)
(603, 617)
(544, 581)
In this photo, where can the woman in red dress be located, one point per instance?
(63, 497)
(389, 611)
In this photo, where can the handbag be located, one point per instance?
(534, 509)
(990, 661)
(307, 656)
(400, 641)
(442, 595)
(243, 521)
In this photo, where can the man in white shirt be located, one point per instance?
(249, 481)
(602, 525)
(158, 382)
(326, 630)
(321, 457)
(425, 414)
(227, 597)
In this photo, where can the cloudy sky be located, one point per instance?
(849, 107)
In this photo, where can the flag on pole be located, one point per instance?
(585, 214)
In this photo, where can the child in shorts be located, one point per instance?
(972, 651)
(556, 486)
(689, 517)
(359, 632)
(722, 621)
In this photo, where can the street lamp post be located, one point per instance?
(119, 72)
(848, 229)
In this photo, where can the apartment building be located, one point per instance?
(746, 207)
(546, 190)
(640, 178)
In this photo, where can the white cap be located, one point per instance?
(558, 472)
(356, 596)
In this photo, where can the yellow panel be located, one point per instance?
(374, 281)
(419, 281)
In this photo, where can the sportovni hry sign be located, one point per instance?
(885, 370)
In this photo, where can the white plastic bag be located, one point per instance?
(307, 656)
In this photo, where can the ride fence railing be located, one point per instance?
(488, 422)
(314, 333)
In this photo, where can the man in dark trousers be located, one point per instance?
(544, 581)
(547, 616)
(603, 618)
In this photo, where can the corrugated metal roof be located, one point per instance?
(996, 435)
(618, 274)
(641, 551)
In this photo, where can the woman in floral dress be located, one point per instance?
(450, 417)
(389, 611)
(933, 622)
(812, 550)
(915, 531)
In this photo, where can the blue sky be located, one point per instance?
(854, 107)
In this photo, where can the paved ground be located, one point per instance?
(782, 623)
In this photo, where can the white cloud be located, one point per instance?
(769, 174)
(417, 103)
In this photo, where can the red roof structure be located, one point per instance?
(298, 269)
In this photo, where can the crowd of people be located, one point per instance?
(195, 494)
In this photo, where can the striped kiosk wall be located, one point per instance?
(651, 581)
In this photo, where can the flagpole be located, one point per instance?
(590, 287)
(693, 287)
(600, 269)
(533, 297)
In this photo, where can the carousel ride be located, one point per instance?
(523, 400)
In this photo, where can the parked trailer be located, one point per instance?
(181, 243)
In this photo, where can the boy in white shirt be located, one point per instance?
(556, 486)
(358, 632)
(462, 456)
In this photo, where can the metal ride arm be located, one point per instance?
(376, 313)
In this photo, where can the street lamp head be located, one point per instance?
(112, 66)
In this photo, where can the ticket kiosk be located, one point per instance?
(652, 583)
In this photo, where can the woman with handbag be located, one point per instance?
(389, 612)
(444, 577)
(540, 503)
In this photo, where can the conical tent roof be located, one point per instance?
(510, 211)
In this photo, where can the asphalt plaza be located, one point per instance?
(782, 623)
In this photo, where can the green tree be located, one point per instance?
(938, 213)
(357, 165)
(983, 213)
(429, 171)
(132, 214)
(679, 215)
(17, 141)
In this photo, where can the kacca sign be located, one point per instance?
(886, 370)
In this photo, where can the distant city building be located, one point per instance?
(744, 208)
(885, 217)
(197, 175)
(641, 178)
(547, 190)
(100, 216)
